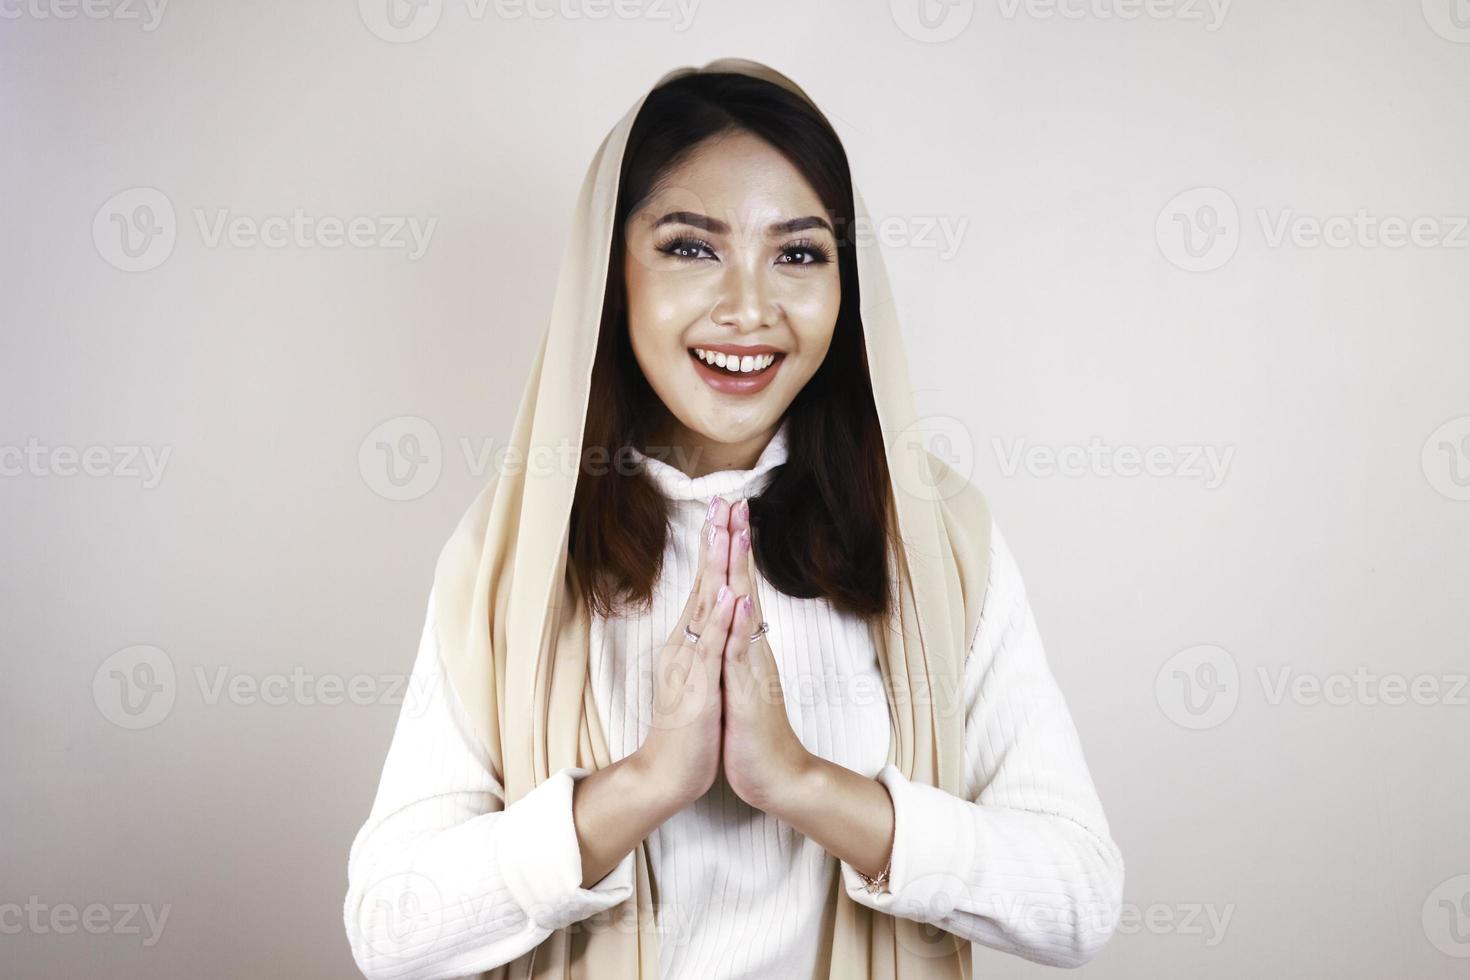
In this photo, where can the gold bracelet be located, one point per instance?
(875, 885)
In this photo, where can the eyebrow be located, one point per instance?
(717, 227)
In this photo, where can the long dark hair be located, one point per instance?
(822, 525)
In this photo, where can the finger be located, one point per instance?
(738, 682)
(716, 632)
(685, 684)
(761, 643)
(689, 680)
(742, 569)
(710, 574)
(704, 545)
(737, 646)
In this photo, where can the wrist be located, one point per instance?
(650, 782)
(801, 788)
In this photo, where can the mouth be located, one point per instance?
(735, 372)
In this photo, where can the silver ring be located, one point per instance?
(761, 631)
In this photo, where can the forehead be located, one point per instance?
(738, 178)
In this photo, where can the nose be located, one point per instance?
(744, 301)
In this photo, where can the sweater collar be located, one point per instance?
(676, 485)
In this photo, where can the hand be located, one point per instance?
(763, 758)
(682, 749)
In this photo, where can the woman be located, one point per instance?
(751, 687)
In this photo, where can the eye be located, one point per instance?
(686, 249)
(805, 252)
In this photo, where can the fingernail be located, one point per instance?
(745, 539)
(713, 529)
(745, 509)
(722, 595)
(713, 505)
(745, 603)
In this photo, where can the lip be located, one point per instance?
(733, 384)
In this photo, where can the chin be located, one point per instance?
(737, 425)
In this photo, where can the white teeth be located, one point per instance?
(748, 364)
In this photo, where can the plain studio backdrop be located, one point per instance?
(1185, 292)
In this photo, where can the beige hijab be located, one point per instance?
(514, 641)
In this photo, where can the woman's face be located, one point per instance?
(735, 259)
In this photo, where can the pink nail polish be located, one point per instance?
(713, 505)
(713, 530)
(745, 604)
(745, 539)
(723, 594)
(745, 509)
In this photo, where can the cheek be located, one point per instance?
(813, 316)
(659, 311)
(644, 322)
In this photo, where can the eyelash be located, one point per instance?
(820, 253)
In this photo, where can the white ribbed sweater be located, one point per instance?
(444, 881)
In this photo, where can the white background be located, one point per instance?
(1267, 833)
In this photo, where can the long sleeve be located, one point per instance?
(443, 879)
(1025, 862)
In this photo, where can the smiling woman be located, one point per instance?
(735, 207)
(780, 710)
